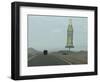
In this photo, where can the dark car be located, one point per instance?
(45, 52)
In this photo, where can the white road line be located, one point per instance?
(66, 61)
(63, 59)
(32, 57)
(76, 60)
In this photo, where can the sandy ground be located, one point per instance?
(75, 57)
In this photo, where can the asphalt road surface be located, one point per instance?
(45, 60)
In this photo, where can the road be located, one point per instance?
(45, 60)
(57, 59)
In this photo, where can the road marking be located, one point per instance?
(76, 60)
(65, 60)
(32, 57)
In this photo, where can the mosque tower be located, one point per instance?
(69, 35)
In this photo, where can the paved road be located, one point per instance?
(45, 60)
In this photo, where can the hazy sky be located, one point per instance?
(50, 32)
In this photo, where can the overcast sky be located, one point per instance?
(50, 32)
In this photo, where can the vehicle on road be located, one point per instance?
(45, 52)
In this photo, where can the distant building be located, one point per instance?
(69, 35)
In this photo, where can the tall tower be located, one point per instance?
(69, 35)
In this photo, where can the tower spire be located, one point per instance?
(69, 35)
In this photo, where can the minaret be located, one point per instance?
(69, 35)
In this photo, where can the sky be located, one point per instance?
(50, 32)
